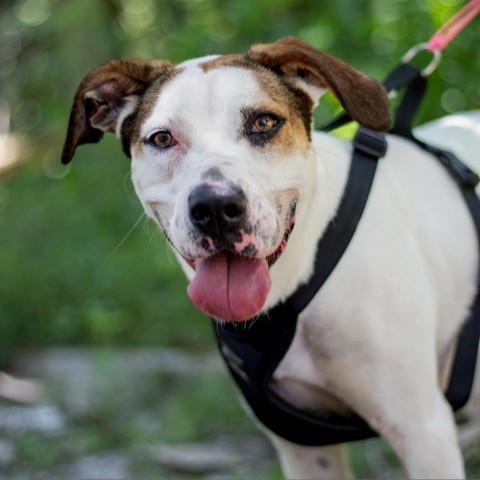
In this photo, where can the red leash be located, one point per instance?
(444, 35)
(454, 26)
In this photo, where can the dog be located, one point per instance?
(225, 161)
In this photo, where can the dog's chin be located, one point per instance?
(233, 287)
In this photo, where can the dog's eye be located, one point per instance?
(162, 139)
(264, 123)
(262, 127)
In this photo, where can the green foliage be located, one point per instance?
(62, 277)
(72, 273)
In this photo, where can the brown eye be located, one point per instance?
(262, 127)
(162, 139)
(264, 123)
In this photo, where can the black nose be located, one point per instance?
(217, 211)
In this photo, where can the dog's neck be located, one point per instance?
(326, 171)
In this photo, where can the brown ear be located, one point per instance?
(364, 99)
(101, 97)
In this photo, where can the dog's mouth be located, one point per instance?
(233, 287)
(271, 259)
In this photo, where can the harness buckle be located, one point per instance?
(431, 67)
(373, 144)
(233, 361)
(459, 170)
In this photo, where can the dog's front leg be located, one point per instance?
(300, 462)
(410, 413)
(427, 445)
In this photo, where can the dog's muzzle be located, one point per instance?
(232, 279)
(230, 283)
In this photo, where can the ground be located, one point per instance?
(148, 413)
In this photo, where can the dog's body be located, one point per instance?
(224, 160)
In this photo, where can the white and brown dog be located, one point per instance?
(225, 161)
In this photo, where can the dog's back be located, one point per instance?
(459, 133)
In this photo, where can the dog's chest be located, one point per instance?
(302, 381)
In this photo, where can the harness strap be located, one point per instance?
(462, 374)
(368, 147)
(406, 110)
(252, 352)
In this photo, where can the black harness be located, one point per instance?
(253, 351)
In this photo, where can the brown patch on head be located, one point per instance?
(363, 98)
(131, 126)
(294, 103)
(298, 104)
(233, 60)
(101, 97)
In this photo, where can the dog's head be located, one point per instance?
(219, 147)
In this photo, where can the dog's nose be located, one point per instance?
(217, 211)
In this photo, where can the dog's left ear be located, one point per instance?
(363, 98)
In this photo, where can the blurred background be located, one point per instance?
(92, 303)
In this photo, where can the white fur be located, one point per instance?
(375, 338)
(129, 108)
(377, 334)
(203, 111)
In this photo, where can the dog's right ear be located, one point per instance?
(103, 95)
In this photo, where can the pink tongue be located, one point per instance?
(229, 287)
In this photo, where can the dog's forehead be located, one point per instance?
(206, 85)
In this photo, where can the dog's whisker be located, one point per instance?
(169, 253)
(321, 151)
(124, 239)
(156, 231)
(151, 232)
(128, 176)
(146, 224)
